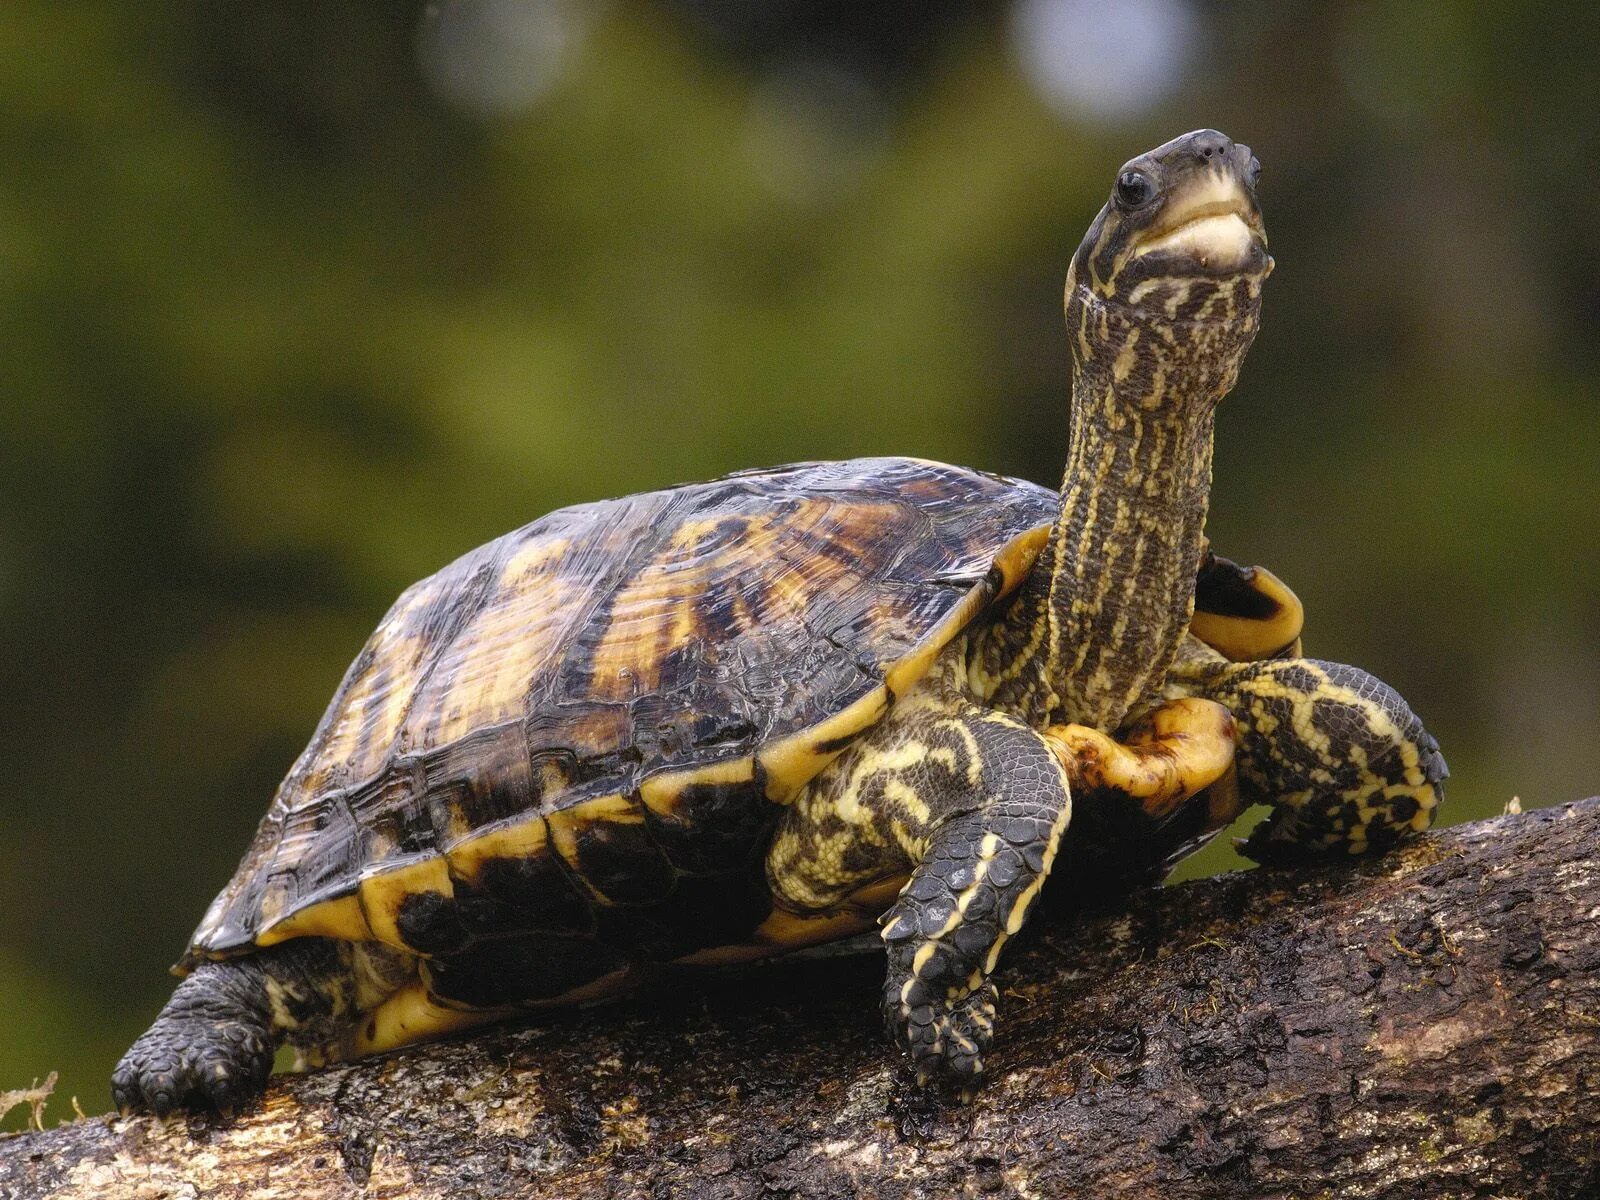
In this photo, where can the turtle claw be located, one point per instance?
(227, 1089)
(146, 1078)
(945, 1039)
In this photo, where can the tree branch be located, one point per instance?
(1427, 1025)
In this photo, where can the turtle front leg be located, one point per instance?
(213, 1044)
(977, 879)
(972, 804)
(1340, 756)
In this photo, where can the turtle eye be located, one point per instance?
(1134, 189)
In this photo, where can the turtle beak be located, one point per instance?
(1210, 214)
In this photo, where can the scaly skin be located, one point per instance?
(1098, 622)
(971, 803)
(1346, 765)
(214, 1041)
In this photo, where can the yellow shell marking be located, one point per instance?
(793, 762)
(377, 699)
(662, 793)
(566, 824)
(524, 838)
(771, 556)
(340, 918)
(1245, 639)
(383, 892)
(784, 931)
(481, 679)
(410, 1015)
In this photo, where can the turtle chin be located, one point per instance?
(1215, 245)
(1205, 272)
(1219, 243)
(1210, 224)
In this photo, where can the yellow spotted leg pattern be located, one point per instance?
(971, 804)
(987, 852)
(1339, 755)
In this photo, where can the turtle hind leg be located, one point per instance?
(213, 1043)
(212, 1046)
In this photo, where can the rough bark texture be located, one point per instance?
(1424, 1026)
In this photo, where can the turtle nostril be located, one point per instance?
(1209, 144)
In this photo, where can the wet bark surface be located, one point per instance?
(1423, 1026)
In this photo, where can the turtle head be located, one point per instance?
(1178, 252)
(1163, 301)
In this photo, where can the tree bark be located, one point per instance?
(1427, 1025)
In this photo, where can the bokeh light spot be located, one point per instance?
(1104, 60)
(498, 57)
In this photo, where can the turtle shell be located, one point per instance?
(595, 710)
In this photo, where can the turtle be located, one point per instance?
(731, 719)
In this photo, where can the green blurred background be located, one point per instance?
(300, 300)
